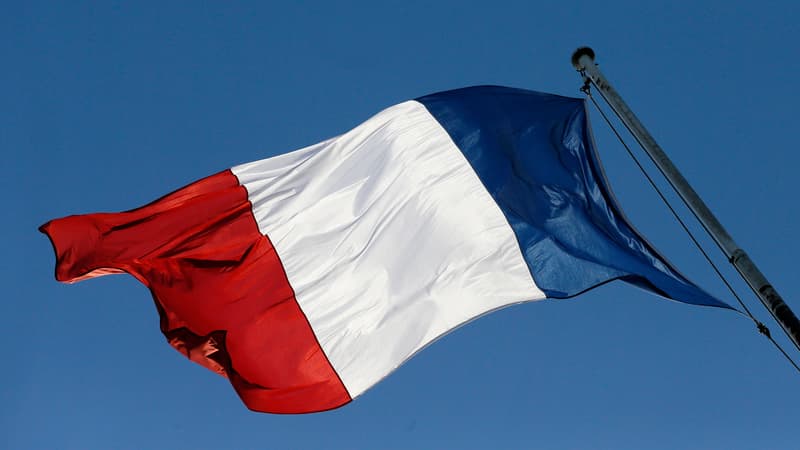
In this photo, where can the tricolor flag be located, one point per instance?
(308, 277)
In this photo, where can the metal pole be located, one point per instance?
(583, 61)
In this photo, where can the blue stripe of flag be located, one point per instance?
(534, 154)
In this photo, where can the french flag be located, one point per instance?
(308, 277)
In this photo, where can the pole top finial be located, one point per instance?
(578, 54)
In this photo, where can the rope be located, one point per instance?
(760, 326)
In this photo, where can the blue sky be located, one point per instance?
(109, 105)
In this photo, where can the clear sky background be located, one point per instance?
(109, 105)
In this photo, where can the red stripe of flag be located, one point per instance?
(219, 286)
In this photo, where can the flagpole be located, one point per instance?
(583, 61)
